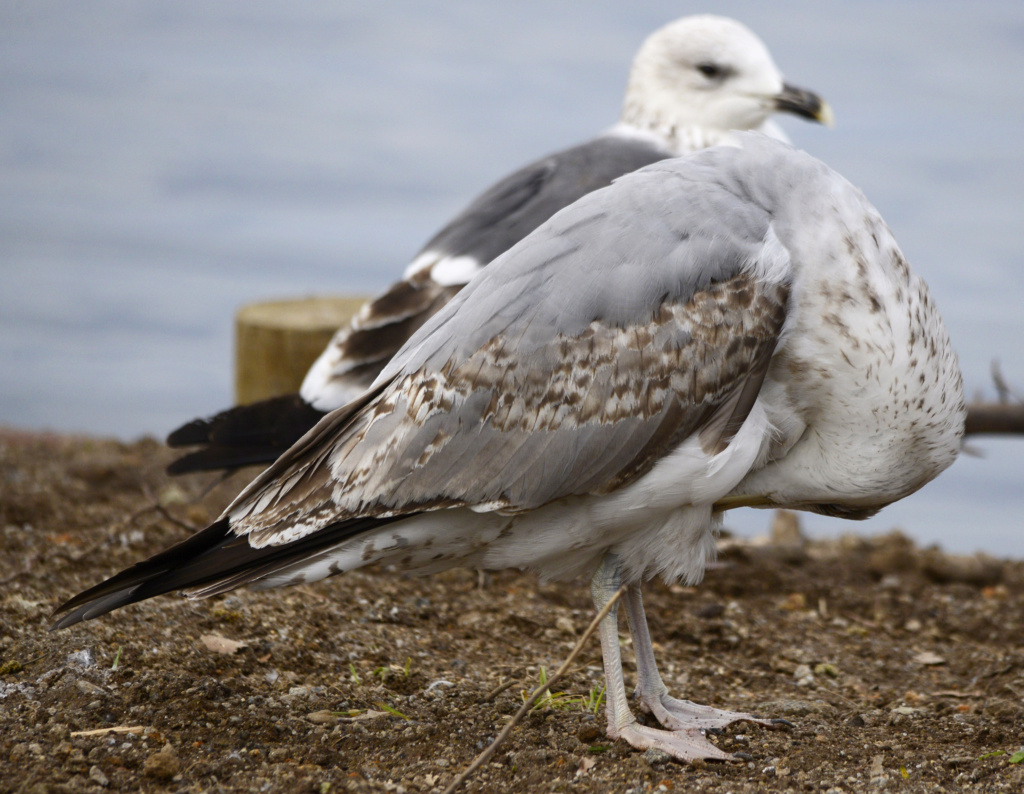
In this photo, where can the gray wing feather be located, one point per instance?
(612, 256)
(492, 223)
(520, 202)
(571, 365)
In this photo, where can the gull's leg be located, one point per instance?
(686, 744)
(678, 715)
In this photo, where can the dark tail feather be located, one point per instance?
(213, 555)
(225, 458)
(244, 435)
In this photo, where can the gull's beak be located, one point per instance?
(804, 103)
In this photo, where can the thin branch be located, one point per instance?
(1002, 387)
(175, 520)
(487, 754)
(1002, 418)
(157, 507)
(497, 690)
(114, 729)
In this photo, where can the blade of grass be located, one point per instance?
(392, 710)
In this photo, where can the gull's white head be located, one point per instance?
(699, 77)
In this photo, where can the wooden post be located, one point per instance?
(276, 342)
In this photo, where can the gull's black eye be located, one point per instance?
(710, 70)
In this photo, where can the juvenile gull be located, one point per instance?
(736, 327)
(692, 83)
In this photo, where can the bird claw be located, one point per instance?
(684, 715)
(686, 745)
(687, 724)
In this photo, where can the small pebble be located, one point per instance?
(656, 757)
(161, 765)
(96, 775)
(588, 733)
(89, 688)
(564, 624)
(83, 658)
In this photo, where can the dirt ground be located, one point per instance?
(901, 669)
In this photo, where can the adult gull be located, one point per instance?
(692, 83)
(735, 327)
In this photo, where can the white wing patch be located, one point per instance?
(448, 271)
(451, 271)
(321, 388)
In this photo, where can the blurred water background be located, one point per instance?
(164, 161)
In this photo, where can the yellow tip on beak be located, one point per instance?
(804, 103)
(826, 116)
